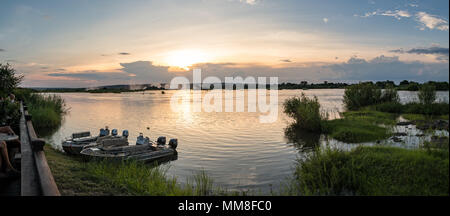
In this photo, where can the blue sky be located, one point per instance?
(91, 43)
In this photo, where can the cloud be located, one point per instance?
(2, 50)
(124, 53)
(441, 53)
(431, 21)
(250, 2)
(354, 70)
(398, 14)
(146, 71)
(138, 72)
(388, 68)
(93, 75)
(426, 20)
(368, 14)
(325, 20)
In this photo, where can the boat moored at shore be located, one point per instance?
(120, 150)
(77, 141)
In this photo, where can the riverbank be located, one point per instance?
(76, 177)
(371, 116)
(375, 171)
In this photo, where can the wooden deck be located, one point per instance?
(36, 176)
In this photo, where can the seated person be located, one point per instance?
(12, 98)
(4, 156)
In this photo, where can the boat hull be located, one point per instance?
(146, 153)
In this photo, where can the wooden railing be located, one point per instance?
(36, 177)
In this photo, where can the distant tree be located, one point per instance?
(8, 79)
(404, 82)
(413, 86)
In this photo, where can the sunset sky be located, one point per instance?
(90, 43)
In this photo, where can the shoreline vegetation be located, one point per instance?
(402, 86)
(377, 170)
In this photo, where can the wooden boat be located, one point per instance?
(75, 143)
(144, 153)
(147, 152)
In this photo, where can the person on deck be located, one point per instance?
(9, 170)
(12, 98)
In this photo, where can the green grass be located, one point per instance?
(72, 178)
(421, 117)
(76, 177)
(359, 126)
(444, 117)
(355, 131)
(416, 117)
(374, 171)
(371, 116)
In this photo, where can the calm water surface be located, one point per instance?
(235, 149)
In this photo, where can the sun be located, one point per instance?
(185, 58)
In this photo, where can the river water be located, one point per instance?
(234, 148)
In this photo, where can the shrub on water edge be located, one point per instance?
(47, 111)
(390, 95)
(360, 95)
(305, 111)
(44, 118)
(427, 94)
(366, 94)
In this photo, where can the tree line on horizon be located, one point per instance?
(404, 85)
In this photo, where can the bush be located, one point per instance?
(427, 94)
(390, 95)
(374, 171)
(305, 111)
(9, 114)
(46, 111)
(360, 95)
